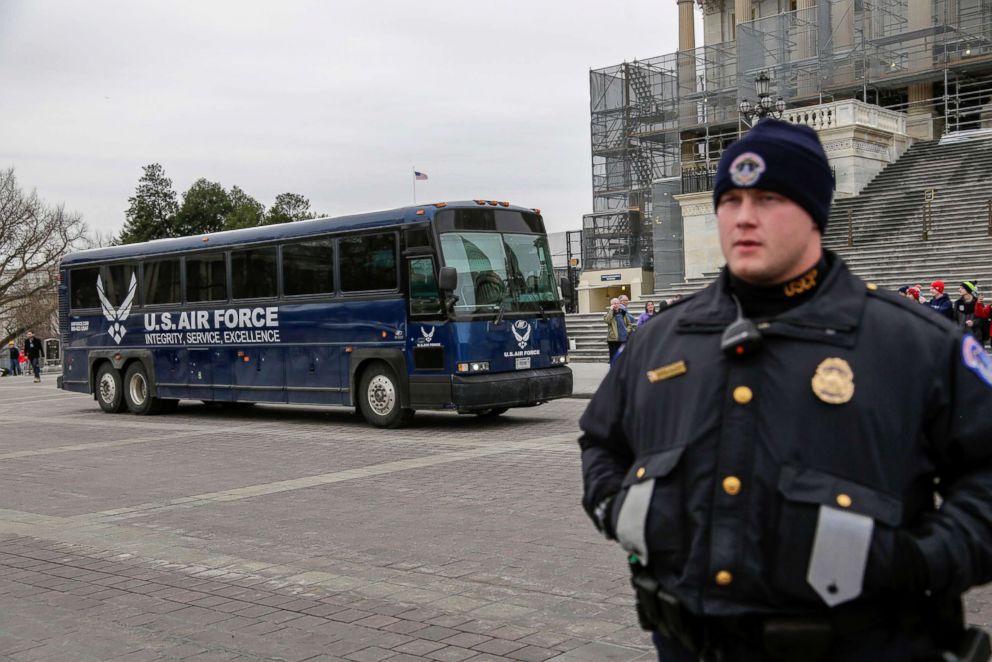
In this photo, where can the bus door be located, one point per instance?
(429, 335)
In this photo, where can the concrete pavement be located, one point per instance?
(297, 533)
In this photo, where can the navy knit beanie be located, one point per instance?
(781, 157)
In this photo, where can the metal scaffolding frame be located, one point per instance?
(673, 115)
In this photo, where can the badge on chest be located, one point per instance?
(833, 381)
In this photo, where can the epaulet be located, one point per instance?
(894, 298)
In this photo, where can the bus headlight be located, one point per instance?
(559, 360)
(474, 366)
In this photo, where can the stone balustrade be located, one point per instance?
(848, 112)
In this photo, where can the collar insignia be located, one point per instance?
(747, 169)
(834, 381)
(802, 284)
(667, 371)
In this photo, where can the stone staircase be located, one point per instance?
(887, 221)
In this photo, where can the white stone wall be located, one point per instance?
(701, 240)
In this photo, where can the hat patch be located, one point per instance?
(747, 169)
(976, 359)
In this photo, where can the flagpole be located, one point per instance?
(414, 171)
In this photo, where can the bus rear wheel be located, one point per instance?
(109, 389)
(137, 392)
(379, 398)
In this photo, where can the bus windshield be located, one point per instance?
(500, 271)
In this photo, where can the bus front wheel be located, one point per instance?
(110, 389)
(379, 398)
(137, 392)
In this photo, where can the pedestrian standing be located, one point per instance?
(939, 302)
(769, 458)
(33, 350)
(648, 313)
(14, 355)
(964, 309)
(619, 326)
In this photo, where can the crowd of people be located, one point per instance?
(28, 358)
(969, 311)
(620, 322)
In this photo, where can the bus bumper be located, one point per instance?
(511, 389)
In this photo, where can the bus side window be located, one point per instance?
(82, 288)
(206, 278)
(424, 299)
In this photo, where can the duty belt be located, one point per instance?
(788, 637)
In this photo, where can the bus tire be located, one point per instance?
(109, 389)
(137, 391)
(379, 398)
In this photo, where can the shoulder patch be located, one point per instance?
(976, 359)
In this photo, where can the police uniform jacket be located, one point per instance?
(742, 452)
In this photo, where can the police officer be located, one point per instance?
(769, 455)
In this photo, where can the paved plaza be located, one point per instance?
(302, 534)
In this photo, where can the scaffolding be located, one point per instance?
(673, 115)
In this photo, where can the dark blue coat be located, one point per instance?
(918, 413)
(942, 306)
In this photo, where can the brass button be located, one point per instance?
(732, 485)
(641, 472)
(844, 501)
(742, 395)
(871, 286)
(723, 578)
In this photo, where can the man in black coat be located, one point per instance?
(34, 351)
(769, 456)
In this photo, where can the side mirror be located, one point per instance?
(567, 291)
(447, 279)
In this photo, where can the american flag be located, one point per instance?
(419, 176)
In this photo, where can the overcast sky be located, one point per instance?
(335, 100)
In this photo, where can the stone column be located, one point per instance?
(687, 64)
(687, 25)
(806, 82)
(920, 110)
(742, 11)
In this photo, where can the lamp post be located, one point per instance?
(764, 107)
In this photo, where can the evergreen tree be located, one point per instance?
(289, 207)
(246, 211)
(152, 210)
(205, 206)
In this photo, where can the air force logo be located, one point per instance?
(425, 335)
(521, 331)
(118, 315)
(747, 169)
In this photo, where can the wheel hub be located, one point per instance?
(138, 389)
(381, 395)
(108, 388)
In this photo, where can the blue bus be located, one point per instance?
(447, 306)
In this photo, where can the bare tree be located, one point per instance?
(33, 239)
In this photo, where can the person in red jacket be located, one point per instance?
(983, 315)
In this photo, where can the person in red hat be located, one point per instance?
(939, 302)
(914, 293)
